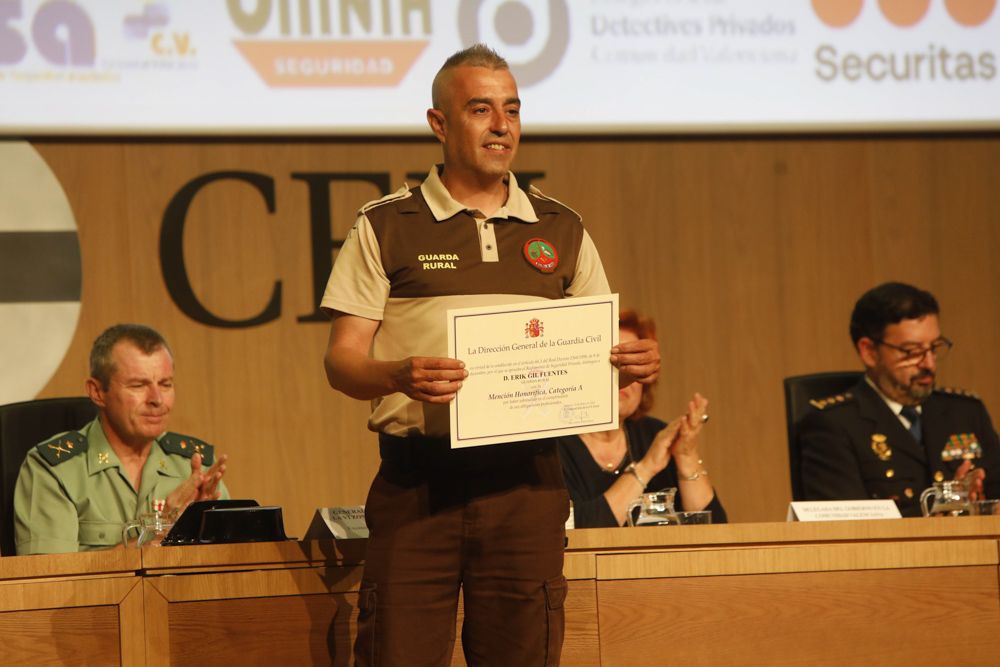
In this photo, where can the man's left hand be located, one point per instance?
(636, 361)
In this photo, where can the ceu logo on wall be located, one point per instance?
(952, 29)
(302, 43)
(532, 36)
(39, 272)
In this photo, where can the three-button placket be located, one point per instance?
(487, 240)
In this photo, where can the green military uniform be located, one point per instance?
(72, 493)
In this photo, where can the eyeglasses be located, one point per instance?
(914, 355)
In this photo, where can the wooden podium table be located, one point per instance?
(71, 609)
(909, 591)
(277, 603)
(858, 593)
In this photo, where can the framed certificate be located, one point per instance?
(536, 370)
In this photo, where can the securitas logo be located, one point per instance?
(902, 13)
(532, 36)
(940, 61)
(325, 43)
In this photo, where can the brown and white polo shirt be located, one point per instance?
(415, 254)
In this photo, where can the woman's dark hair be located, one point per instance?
(643, 327)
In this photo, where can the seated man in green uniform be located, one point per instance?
(77, 489)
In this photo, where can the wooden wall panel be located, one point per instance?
(749, 252)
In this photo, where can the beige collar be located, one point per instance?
(517, 207)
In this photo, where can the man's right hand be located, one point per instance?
(200, 485)
(975, 479)
(350, 369)
(429, 379)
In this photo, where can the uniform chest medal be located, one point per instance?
(881, 448)
(961, 446)
(541, 254)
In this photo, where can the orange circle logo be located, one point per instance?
(837, 13)
(903, 13)
(970, 12)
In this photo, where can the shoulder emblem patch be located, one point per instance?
(62, 447)
(186, 446)
(836, 399)
(955, 391)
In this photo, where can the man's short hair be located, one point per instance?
(889, 303)
(147, 339)
(477, 55)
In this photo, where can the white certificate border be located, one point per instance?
(610, 300)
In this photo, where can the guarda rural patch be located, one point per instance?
(434, 262)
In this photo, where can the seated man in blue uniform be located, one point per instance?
(896, 432)
(76, 490)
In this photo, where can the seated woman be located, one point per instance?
(606, 471)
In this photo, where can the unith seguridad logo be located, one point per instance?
(322, 44)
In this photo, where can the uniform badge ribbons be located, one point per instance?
(963, 446)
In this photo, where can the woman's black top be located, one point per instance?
(587, 481)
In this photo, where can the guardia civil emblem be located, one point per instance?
(541, 255)
(880, 446)
(534, 328)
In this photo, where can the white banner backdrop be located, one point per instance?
(365, 66)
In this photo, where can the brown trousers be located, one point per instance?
(489, 523)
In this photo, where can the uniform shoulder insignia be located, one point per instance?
(62, 447)
(955, 391)
(830, 401)
(535, 192)
(401, 193)
(186, 446)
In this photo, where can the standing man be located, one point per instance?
(76, 490)
(895, 433)
(487, 520)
